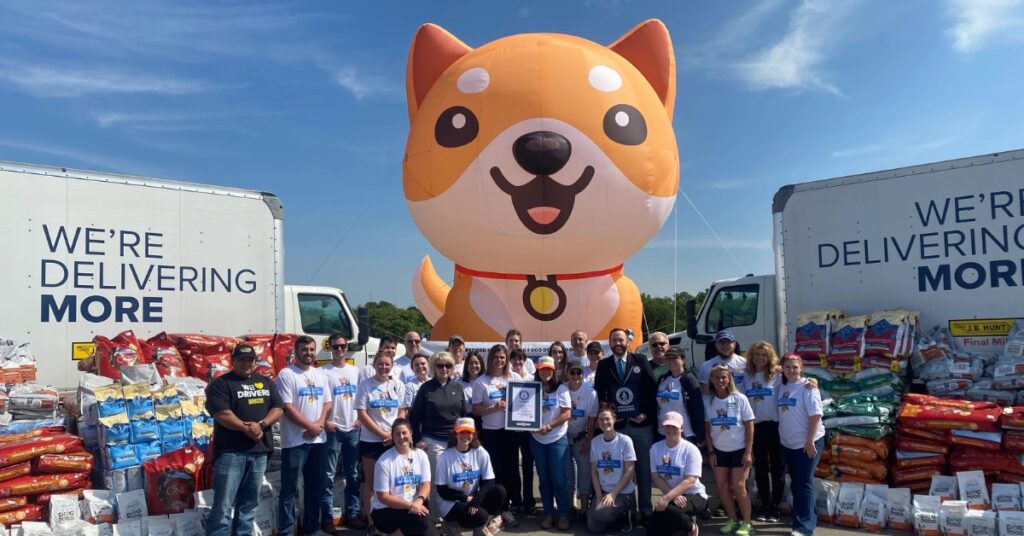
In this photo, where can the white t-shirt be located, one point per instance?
(726, 417)
(610, 458)
(459, 368)
(584, 406)
(551, 405)
(677, 463)
(411, 388)
(530, 367)
(670, 397)
(797, 404)
(381, 402)
(588, 375)
(307, 391)
(467, 388)
(761, 395)
(399, 475)
(489, 390)
(462, 471)
(737, 363)
(344, 384)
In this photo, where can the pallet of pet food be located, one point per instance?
(949, 370)
(17, 362)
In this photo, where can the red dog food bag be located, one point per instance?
(112, 354)
(264, 347)
(847, 340)
(166, 356)
(32, 512)
(171, 480)
(64, 463)
(885, 333)
(812, 333)
(284, 350)
(39, 484)
(13, 453)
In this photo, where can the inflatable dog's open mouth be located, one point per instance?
(543, 204)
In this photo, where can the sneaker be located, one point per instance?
(695, 531)
(796, 533)
(761, 516)
(510, 519)
(744, 529)
(547, 522)
(720, 512)
(563, 523)
(729, 527)
(773, 518)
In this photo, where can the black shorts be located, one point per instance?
(732, 460)
(369, 449)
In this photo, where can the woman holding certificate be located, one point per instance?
(550, 445)
(489, 403)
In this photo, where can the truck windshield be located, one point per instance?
(732, 306)
(323, 314)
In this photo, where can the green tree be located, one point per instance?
(658, 311)
(387, 319)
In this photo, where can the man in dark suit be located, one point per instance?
(625, 381)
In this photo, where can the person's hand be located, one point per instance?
(812, 383)
(387, 438)
(607, 501)
(680, 501)
(748, 459)
(253, 431)
(421, 445)
(711, 459)
(661, 505)
(331, 427)
(473, 510)
(544, 429)
(639, 418)
(810, 449)
(315, 429)
(418, 509)
(501, 405)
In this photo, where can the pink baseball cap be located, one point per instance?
(673, 418)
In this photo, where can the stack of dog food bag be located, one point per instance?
(860, 363)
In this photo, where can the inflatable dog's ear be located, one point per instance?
(648, 47)
(433, 50)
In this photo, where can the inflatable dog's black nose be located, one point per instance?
(542, 152)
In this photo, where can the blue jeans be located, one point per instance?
(237, 477)
(347, 445)
(551, 460)
(801, 476)
(310, 460)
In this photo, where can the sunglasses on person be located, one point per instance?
(659, 344)
(412, 341)
(339, 346)
(576, 372)
(445, 365)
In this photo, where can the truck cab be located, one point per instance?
(746, 306)
(321, 311)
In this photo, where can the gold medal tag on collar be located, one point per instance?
(543, 298)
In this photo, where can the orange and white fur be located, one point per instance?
(538, 163)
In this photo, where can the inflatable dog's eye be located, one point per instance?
(624, 124)
(456, 127)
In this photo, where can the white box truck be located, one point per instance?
(88, 254)
(945, 239)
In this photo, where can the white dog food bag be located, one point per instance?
(900, 517)
(848, 505)
(951, 517)
(826, 493)
(187, 523)
(131, 505)
(64, 511)
(980, 523)
(943, 487)
(926, 515)
(1005, 497)
(874, 513)
(128, 528)
(1011, 523)
(973, 489)
(97, 507)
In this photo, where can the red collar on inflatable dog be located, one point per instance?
(523, 277)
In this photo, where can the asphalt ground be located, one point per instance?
(531, 524)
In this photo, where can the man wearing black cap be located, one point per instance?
(244, 406)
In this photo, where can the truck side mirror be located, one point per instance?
(691, 319)
(363, 318)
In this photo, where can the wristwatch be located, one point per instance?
(263, 425)
(420, 497)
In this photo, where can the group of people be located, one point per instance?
(429, 432)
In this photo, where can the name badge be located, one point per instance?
(724, 421)
(786, 402)
(346, 389)
(550, 402)
(466, 476)
(609, 464)
(759, 391)
(578, 413)
(384, 403)
(497, 394)
(668, 395)
(402, 480)
(311, 391)
(669, 470)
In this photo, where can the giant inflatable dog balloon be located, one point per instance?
(538, 163)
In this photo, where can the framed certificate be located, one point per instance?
(523, 410)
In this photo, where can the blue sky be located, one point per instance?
(307, 100)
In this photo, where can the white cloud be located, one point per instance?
(902, 147)
(979, 22)
(54, 82)
(362, 85)
(153, 121)
(87, 157)
(732, 38)
(794, 62)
